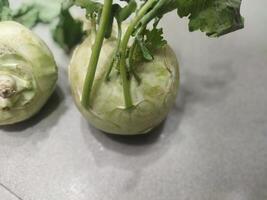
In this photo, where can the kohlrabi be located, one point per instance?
(28, 73)
(152, 97)
(124, 77)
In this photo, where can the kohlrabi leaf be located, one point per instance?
(215, 17)
(5, 11)
(4, 3)
(144, 50)
(152, 41)
(90, 6)
(48, 9)
(27, 15)
(67, 32)
(122, 13)
(33, 11)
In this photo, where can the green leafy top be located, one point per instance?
(66, 30)
(147, 43)
(5, 11)
(32, 11)
(215, 17)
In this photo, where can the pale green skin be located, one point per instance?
(153, 98)
(28, 73)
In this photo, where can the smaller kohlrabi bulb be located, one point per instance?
(153, 98)
(28, 73)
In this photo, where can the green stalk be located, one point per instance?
(93, 24)
(116, 52)
(96, 48)
(131, 52)
(125, 81)
(153, 12)
(137, 34)
(130, 58)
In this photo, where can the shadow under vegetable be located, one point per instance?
(132, 152)
(148, 138)
(51, 106)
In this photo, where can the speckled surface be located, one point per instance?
(213, 145)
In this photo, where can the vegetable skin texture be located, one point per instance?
(25, 59)
(152, 99)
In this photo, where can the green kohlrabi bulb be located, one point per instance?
(152, 99)
(28, 73)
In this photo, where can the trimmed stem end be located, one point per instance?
(7, 86)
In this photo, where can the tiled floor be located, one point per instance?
(7, 194)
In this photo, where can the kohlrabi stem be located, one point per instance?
(153, 12)
(131, 52)
(123, 72)
(130, 58)
(116, 52)
(93, 24)
(137, 34)
(132, 70)
(96, 48)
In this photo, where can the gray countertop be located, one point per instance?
(212, 146)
